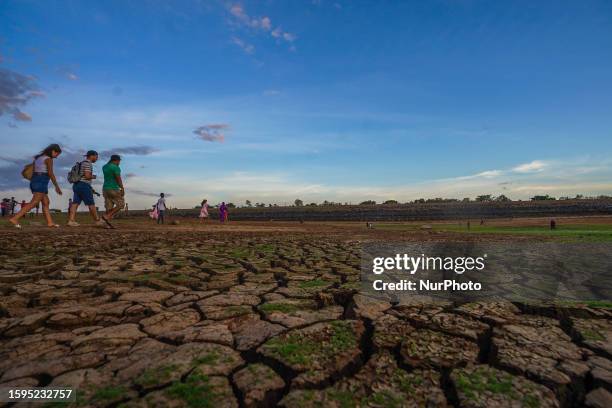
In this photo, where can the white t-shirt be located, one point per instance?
(161, 204)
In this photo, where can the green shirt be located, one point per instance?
(111, 170)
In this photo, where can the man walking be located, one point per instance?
(113, 189)
(161, 208)
(83, 191)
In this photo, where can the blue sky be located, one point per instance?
(321, 100)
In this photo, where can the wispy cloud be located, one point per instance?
(271, 92)
(16, 90)
(130, 150)
(246, 47)
(531, 167)
(241, 18)
(147, 193)
(213, 132)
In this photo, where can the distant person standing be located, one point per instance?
(161, 208)
(126, 209)
(83, 191)
(223, 212)
(4, 207)
(113, 189)
(13, 204)
(39, 184)
(204, 211)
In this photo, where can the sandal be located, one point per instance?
(15, 224)
(109, 225)
(53, 226)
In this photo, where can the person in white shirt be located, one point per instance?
(161, 208)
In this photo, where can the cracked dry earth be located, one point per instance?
(194, 319)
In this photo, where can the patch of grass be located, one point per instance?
(145, 277)
(196, 391)
(343, 336)
(406, 382)
(531, 401)
(156, 376)
(480, 381)
(207, 359)
(293, 349)
(108, 394)
(266, 248)
(240, 252)
(345, 399)
(278, 307)
(591, 335)
(602, 304)
(384, 398)
(573, 233)
(315, 283)
(180, 278)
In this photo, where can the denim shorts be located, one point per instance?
(82, 193)
(40, 183)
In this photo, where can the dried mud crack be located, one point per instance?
(250, 320)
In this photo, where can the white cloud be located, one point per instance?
(534, 166)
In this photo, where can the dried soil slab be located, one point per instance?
(109, 338)
(494, 313)
(250, 331)
(208, 358)
(598, 398)
(318, 352)
(368, 307)
(153, 296)
(380, 383)
(389, 332)
(205, 331)
(189, 297)
(96, 388)
(259, 385)
(298, 312)
(601, 372)
(198, 390)
(169, 322)
(455, 324)
(428, 348)
(596, 334)
(483, 386)
(539, 349)
(305, 289)
(229, 299)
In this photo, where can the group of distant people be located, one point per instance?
(223, 212)
(10, 206)
(81, 177)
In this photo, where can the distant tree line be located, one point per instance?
(481, 198)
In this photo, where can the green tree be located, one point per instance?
(484, 197)
(502, 198)
(298, 202)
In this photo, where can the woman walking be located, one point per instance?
(39, 184)
(204, 211)
(223, 212)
